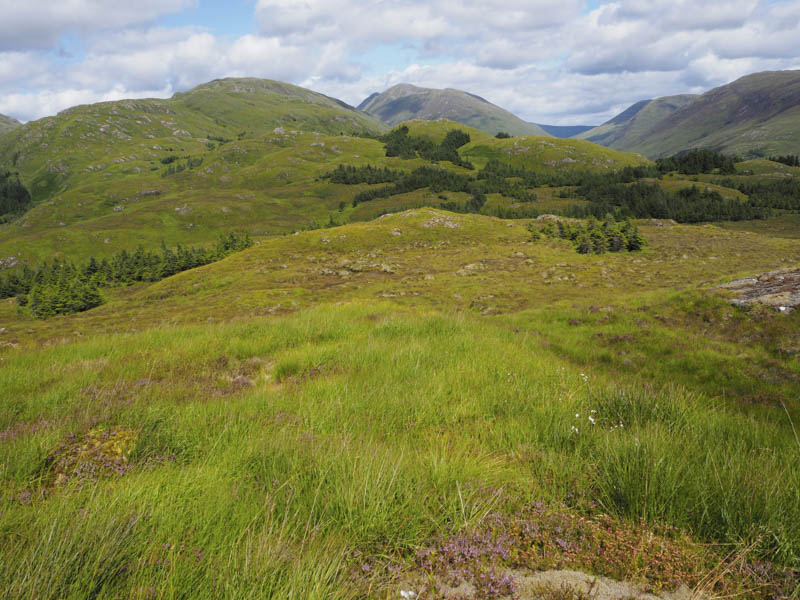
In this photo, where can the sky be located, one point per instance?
(560, 62)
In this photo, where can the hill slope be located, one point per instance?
(547, 154)
(757, 115)
(8, 123)
(404, 102)
(222, 157)
(216, 158)
(635, 121)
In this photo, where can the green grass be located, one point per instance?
(546, 154)
(785, 225)
(270, 452)
(267, 424)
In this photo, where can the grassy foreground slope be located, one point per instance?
(367, 408)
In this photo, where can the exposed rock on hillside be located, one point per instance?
(779, 289)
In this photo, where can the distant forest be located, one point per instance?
(626, 193)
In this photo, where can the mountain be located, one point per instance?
(404, 102)
(8, 123)
(635, 121)
(565, 131)
(757, 115)
(260, 105)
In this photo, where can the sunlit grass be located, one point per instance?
(270, 452)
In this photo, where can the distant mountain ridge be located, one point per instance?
(8, 123)
(754, 116)
(404, 102)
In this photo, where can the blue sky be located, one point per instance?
(549, 61)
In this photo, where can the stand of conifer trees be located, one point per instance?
(790, 160)
(592, 236)
(61, 287)
(14, 197)
(398, 142)
(644, 200)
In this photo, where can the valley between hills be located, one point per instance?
(256, 342)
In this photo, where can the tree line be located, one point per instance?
(643, 200)
(61, 287)
(349, 175)
(790, 160)
(621, 193)
(782, 193)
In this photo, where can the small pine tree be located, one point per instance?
(584, 244)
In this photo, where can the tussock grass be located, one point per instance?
(352, 431)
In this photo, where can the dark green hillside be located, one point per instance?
(257, 106)
(115, 175)
(222, 156)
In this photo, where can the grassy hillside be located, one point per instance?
(633, 124)
(405, 102)
(100, 173)
(411, 403)
(755, 116)
(544, 154)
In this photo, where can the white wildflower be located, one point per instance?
(591, 420)
(408, 594)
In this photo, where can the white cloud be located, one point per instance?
(547, 60)
(39, 23)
